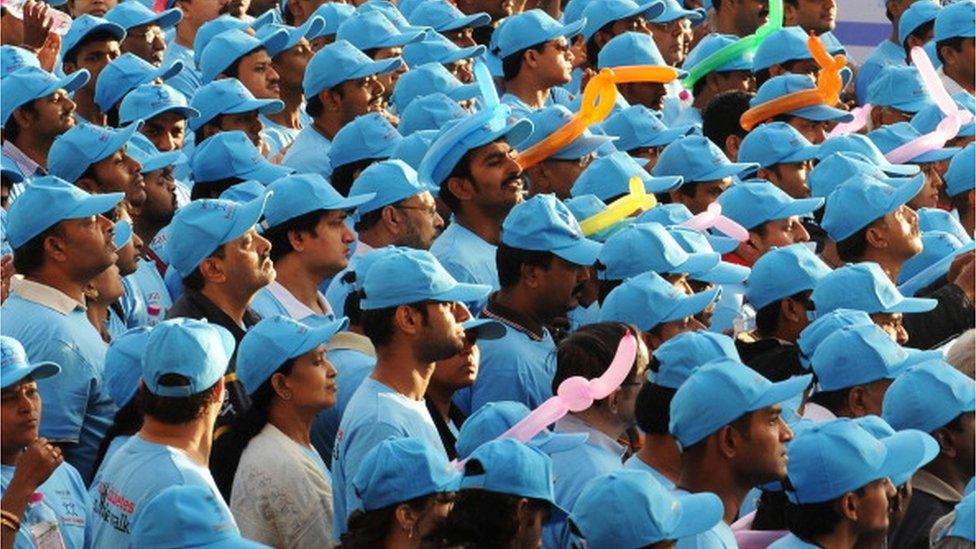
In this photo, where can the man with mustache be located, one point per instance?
(740, 17)
(145, 29)
(95, 159)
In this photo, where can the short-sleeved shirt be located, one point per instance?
(375, 413)
(466, 256)
(353, 357)
(520, 109)
(274, 299)
(137, 472)
(65, 493)
(279, 137)
(309, 153)
(635, 462)
(54, 327)
(113, 447)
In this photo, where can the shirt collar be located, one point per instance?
(296, 309)
(930, 484)
(572, 424)
(513, 318)
(351, 341)
(45, 295)
(27, 166)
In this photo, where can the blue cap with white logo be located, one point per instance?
(644, 247)
(783, 85)
(937, 219)
(229, 46)
(608, 177)
(488, 422)
(892, 136)
(648, 300)
(928, 396)
(529, 28)
(405, 275)
(125, 73)
(858, 143)
(865, 287)
(29, 83)
(638, 126)
(368, 136)
(823, 326)
(918, 14)
(547, 120)
(83, 145)
(85, 25)
(187, 516)
(123, 364)
(776, 143)
(428, 79)
(134, 14)
(681, 355)
(860, 200)
(783, 272)
(312, 26)
(379, 481)
(227, 96)
(151, 100)
(15, 57)
(369, 30)
(429, 112)
(956, 20)
(899, 87)
(753, 203)
(194, 349)
(232, 154)
(14, 365)
(298, 194)
(386, 182)
(780, 47)
(840, 166)
(960, 176)
(857, 355)
(334, 14)
(443, 16)
(48, 200)
(341, 61)
(435, 48)
(696, 158)
(599, 13)
(543, 223)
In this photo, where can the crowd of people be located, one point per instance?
(301, 273)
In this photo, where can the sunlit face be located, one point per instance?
(167, 131)
(20, 414)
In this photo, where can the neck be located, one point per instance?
(290, 116)
(146, 228)
(327, 126)
(297, 279)
(193, 439)
(377, 237)
(725, 23)
(440, 396)
(605, 422)
(60, 281)
(841, 537)
(704, 475)
(701, 101)
(397, 368)
(481, 223)
(661, 452)
(233, 305)
(786, 331)
(958, 75)
(84, 98)
(97, 313)
(890, 265)
(293, 421)
(946, 470)
(186, 33)
(399, 538)
(518, 298)
(526, 88)
(34, 147)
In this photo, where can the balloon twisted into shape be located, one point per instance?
(712, 217)
(637, 200)
(861, 116)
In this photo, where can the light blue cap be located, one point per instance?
(776, 143)
(588, 205)
(751, 204)
(187, 516)
(133, 14)
(892, 136)
(511, 467)
(630, 508)
(443, 16)
(148, 156)
(122, 233)
(15, 57)
(648, 300)
(405, 275)
(599, 13)
(964, 525)
(899, 87)
(608, 177)
(632, 48)
(825, 325)
(865, 287)
(673, 9)
(879, 429)
(488, 422)
(210, 29)
(781, 46)
(960, 177)
(245, 191)
(644, 247)
(918, 14)
(368, 136)
(840, 166)
(83, 145)
(939, 250)
(368, 30)
(333, 13)
(385, 182)
(227, 47)
(274, 340)
(380, 481)
(392, 12)
(927, 119)
(711, 44)
(85, 25)
(696, 158)
(341, 61)
(698, 242)
(529, 28)
(429, 112)
(937, 219)
(856, 355)
(29, 83)
(785, 84)
(681, 355)
(721, 391)
(413, 147)
(858, 143)
(637, 126)
(827, 460)
(14, 365)
(232, 154)
(547, 120)
(123, 364)
(428, 79)
(860, 200)
(10, 170)
(127, 72)
(227, 96)
(783, 272)
(927, 396)
(195, 349)
(670, 215)
(298, 194)
(435, 48)
(544, 224)
(312, 26)
(151, 100)
(956, 20)
(48, 200)
(201, 226)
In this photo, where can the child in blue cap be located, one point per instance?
(705, 170)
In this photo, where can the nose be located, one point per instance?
(262, 244)
(347, 236)
(107, 226)
(158, 43)
(800, 233)
(785, 433)
(273, 75)
(461, 312)
(71, 105)
(257, 126)
(138, 243)
(901, 335)
(582, 275)
(330, 370)
(134, 165)
(438, 221)
(378, 88)
(165, 143)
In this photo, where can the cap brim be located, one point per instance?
(807, 152)
(937, 155)
(122, 233)
(691, 305)
(463, 292)
(72, 82)
(782, 391)
(906, 190)
(548, 442)
(401, 39)
(695, 16)
(913, 305)
(800, 206)
(732, 169)
(932, 273)
(699, 263)
(168, 19)
(162, 160)
(723, 273)
(248, 215)
(915, 105)
(382, 66)
(570, 30)
(667, 136)
(900, 170)
(582, 146)
(722, 244)
(266, 172)
(484, 328)
(40, 370)
(276, 41)
(263, 106)
(469, 52)
(464, 92)
(169, 71)
(823, 113)
(659, 184)
(95, 204)
(515, 133)
(584, 252)
(474, 20)
(908, 450)
(320, 333)
(699, 513)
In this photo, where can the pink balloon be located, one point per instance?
(932, 82)
(712, 217)
(861, 116)
(936, 139)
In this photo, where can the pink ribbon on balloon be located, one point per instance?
(861, 116)
(712, 217)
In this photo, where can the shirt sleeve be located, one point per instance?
(66, 396)
(365, 439)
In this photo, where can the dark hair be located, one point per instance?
(227, 449)
(604, 287)
(482, 519)
(767, 318)
(720, 118)
(378, 323)
(278, 235)
(653, 408)
(351, 308)
(762, 75)
(689, 188)
(29, 257)
(212, 189)
(235, 68)
(810, 520)
(588, 351)
(200, 135)
(314, 106)
(71, 56)
(509, 262)
(855, 246)
(11, 130)
(592, 49)
(770, 511)
(956, 423)
(194, 281)
(919, 33)
(835, 400)
(174, 410)
(343, 176)
(699, 84)
(955, 43)
(127, 422)
(462, 170)
(512, 64)
(368, 529)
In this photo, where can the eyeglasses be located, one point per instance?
(429, 210)
(681, 24)
(149, 35)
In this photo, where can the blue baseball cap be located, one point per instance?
(232, 154)
(203, 225)
(210, 29)
(648, 300)
(547, 120)
(879, 429)
(127, 72)
(245, 191)
(823, 326)
(123, 364)
(927, 119)
(11, 170)
(829, 459)
(134, 14)
(227, 47)
(865, 287)
(429, 112)
(384, 183)
(776, 143)
(380, 481)
(856, 355)
(783, 272)
(960, 177)
(195, 349)
(511, 467)
(644, 247)
(939, 250)
(899, 87)
(858, 143)
(442, 16)
(299, 194)
(781, 46)
(413, 147)
(927, 396)
(333, 13)
(918, 14)
(751, 204)
(937, 219)
(48, 200)
(721, 391)
(673, 9)
(83, 145)
(955, 20)
(630, 508)
(227, 96)
(312, 26)
(694, 241)
(29, 83)
(712, 43)
(608, 177)
(681, 355)
(963, 525)
(674, 214)
(435, 48)
(368, 136)
(14, 57)
(599, 13)
(341, 61)
(14, 365)
(529, 28)
(785, 84)
(428, 79)
(696, 158)
(860, 200)
(543, 223)
(488, 422)
(588, 205)
(369, 30)
(187, 516)
(392, 12)
(148, 156)
(122, 233)
(892, 136)
(638, 126)
(840, 166)
(632, 48)
(85, 25)
(405, 275)
(274, 340)
(151, 100)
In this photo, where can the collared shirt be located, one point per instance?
(309, 153)
(65, 494)
(635, 462)
(886, 53)
(54, 327)
(275, 299)
(466, 255)
(521, 109)
(817, 413)
(932, 498)
(26, 165)
(338, 290)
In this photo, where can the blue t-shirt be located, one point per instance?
(467, 257)
(138, 472)
(887, 53)
(375, 413)
(352, 367)
(278, 136)
(309, 153)
(634, 462)
(557, 96)
(113, 447)
(149, 286)
(790, 541)
(65, 493)
(719, 537)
